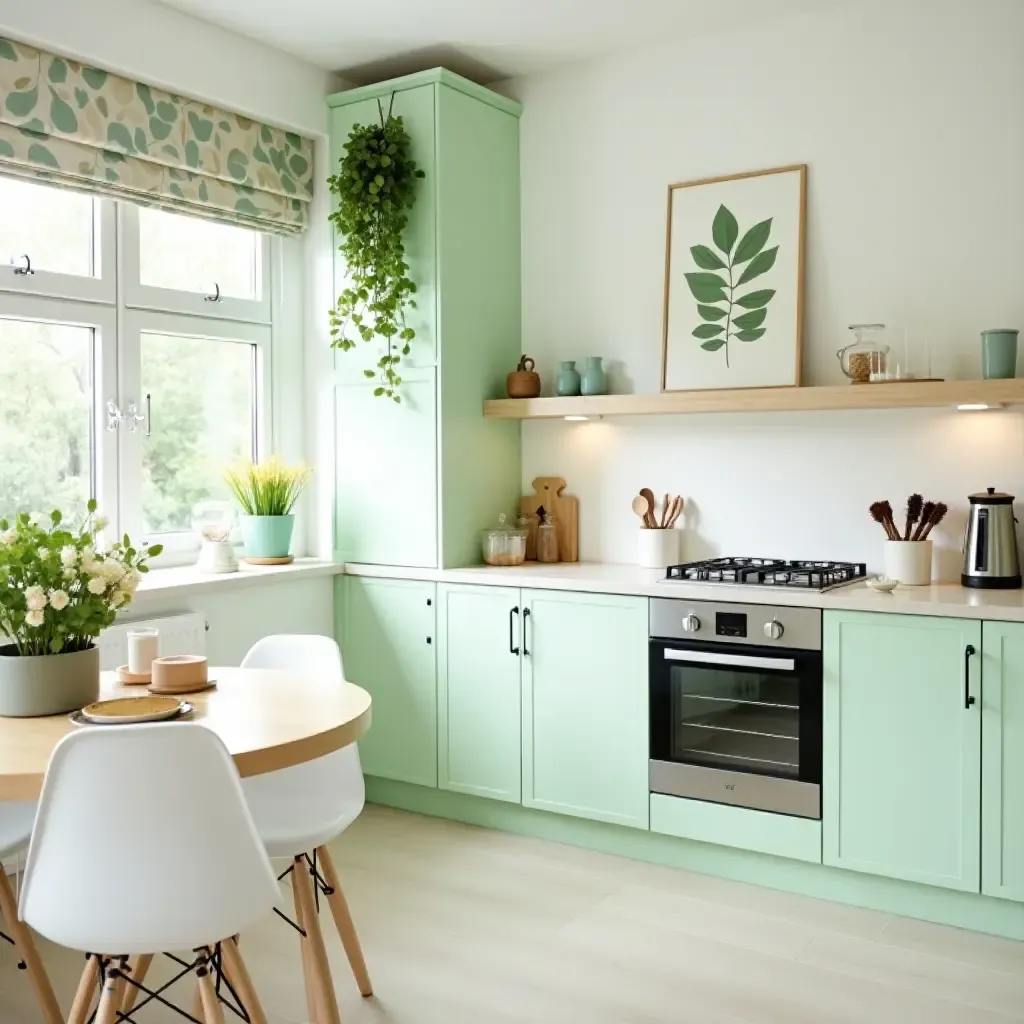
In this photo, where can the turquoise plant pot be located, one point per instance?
(999, 354)
(267, 536)
(594, 381)
(568, 383)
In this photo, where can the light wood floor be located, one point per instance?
(466, 926)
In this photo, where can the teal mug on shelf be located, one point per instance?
(594, 381)
(267, 536)
(999, 353)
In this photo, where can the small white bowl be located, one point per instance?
(882, 584)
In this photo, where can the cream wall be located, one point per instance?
(910, 116)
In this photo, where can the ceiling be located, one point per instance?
(484, 40)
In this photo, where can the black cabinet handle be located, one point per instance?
(430, 639)
(526, 621)
(512, 649)
(968, 699)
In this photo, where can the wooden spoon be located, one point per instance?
(677, 510)
(640, 508)
(648, 495)
(665, 509)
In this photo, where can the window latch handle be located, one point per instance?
(215, 297)
(114, 415)
(132, 417)
(26, 270)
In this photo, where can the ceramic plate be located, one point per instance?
(132, 709)
(184, 711)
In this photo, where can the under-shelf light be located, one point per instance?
(580, 419)
(978, 406)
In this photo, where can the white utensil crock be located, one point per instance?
(658, 549)
(909, 561)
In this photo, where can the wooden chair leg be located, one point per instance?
(238, 975)
(138, 968)
(110, 997)
(343, 920)
(321, 968)
(312, 1007)
(212, 1012)
(86, 992)
(26, 949)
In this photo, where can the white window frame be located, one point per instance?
(136, 322)
(171, 300)
(119, 309)
(101, 287)
(102, 320)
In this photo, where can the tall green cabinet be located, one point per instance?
(416, 482)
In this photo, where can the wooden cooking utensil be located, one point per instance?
(640, 508)
(676, 510)
(648, 494)
(665, 509)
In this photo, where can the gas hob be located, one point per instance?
(768, 572)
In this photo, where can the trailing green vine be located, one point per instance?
(375, 189)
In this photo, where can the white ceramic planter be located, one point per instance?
(47, 684)
(909, 561)
(657, 549)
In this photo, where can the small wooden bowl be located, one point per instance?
(179, 673)
(523, 382)
(127, 678)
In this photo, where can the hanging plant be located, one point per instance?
(375, 189)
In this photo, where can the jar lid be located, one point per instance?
(990, 496)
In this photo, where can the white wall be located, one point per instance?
(911, 118)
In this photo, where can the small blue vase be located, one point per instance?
(267, 536)
(594, 381)
(568, 383)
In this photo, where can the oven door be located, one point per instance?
(737, 725)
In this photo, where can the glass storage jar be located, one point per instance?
(547, 538)
(505, 544)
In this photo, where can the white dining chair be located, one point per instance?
(15, 831)
(299, 810)
(143, 845)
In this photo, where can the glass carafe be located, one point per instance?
(867, 358)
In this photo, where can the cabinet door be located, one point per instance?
(901, 791)
(1002, 741)
(416, 108)
(585, 723)
(387, 640)
(386, 474)
(479, 709)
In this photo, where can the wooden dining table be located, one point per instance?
(268, 720)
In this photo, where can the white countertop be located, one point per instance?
(944, 599)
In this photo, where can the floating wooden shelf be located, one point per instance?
(896, 395)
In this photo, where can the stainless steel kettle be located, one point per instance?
(991, 560)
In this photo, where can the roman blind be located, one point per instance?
(84, 128)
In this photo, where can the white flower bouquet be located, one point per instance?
(57, 591)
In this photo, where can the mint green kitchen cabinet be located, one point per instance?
(479, 703)
(1002, 742)
(901, 787)
(462, 247)
(585, 724)
(387, 632)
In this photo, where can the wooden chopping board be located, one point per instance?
(547, 491)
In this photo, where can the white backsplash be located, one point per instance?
(782, 485)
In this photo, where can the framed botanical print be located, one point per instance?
(734, 268)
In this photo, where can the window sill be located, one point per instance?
(187, 579)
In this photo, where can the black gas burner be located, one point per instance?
(769, 572)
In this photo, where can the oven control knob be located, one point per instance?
(774, 629)
(690, 623)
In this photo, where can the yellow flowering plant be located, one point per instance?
(58, 590)
(268, 488)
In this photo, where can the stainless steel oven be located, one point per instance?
(735, 704)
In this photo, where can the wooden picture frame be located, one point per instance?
(765, 241)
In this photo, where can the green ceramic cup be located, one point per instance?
(267, 536)
(999, 353)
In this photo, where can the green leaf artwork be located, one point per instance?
(716, 293)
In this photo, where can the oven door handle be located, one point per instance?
(733, 660)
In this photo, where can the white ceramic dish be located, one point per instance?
(882, 584)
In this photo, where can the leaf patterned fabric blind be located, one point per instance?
(91, 130)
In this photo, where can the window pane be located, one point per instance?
(53, 226)
(45, 417)
(192, 255)
(201, 420)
